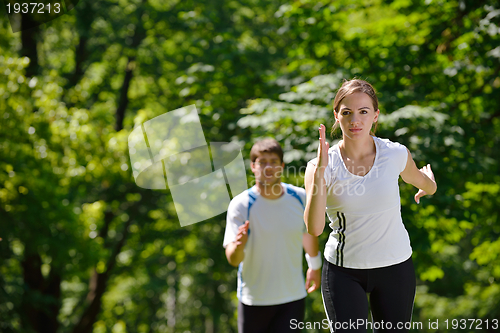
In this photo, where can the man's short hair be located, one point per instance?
(266, 146)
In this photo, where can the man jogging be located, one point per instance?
(264, 236)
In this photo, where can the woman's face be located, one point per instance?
(356, 115)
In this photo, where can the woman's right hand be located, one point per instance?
(322, 148)
(314, 212)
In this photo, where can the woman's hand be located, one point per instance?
(423, 179)
(314, 212)
(322, 148)
(426, 170)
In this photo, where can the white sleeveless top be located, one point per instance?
(365, 211)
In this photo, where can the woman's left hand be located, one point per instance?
(426, 170)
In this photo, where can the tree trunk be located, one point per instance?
(80, 55)
(42, 297)
(33, 279)
(29, 37)
(139, 35)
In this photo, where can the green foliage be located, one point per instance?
(71, 213)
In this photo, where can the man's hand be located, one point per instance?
(242, 235)
(235, 250)
(313, 279)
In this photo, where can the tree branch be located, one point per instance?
(98, 285)
(123, 101)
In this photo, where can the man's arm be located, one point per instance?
(235, 250)
(313, 276)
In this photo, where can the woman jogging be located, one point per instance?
(368, 252)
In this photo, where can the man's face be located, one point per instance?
(267, 168)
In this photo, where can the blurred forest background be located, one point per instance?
(86, 250)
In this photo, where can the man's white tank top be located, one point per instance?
(365, 211)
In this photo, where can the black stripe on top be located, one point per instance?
(341, 244)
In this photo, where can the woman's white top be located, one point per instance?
(365, 211)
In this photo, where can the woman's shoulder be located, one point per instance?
(388, 144)
(394, 151)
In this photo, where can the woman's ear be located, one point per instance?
(377, 113)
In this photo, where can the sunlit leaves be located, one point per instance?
(254, 69)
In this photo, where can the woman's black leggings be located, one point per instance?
(391, 292)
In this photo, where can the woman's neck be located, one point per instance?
(357, 149)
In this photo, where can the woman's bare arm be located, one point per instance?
(314, 213)
(423, 178)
